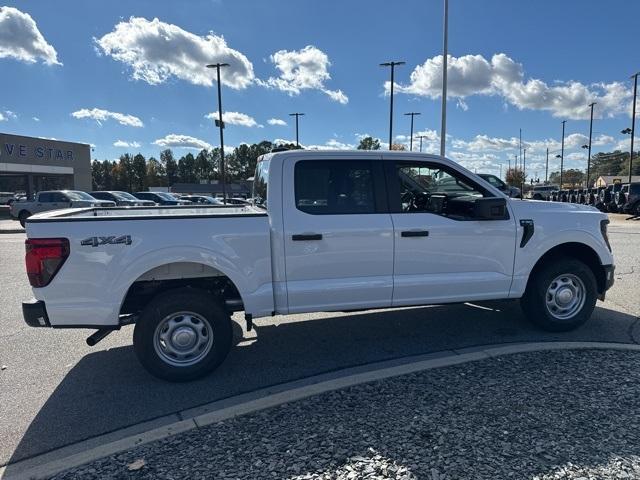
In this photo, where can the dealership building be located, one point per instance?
(30, 164)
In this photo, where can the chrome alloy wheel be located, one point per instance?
(565, 296)
(183, 339)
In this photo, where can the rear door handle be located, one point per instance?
(415, 233)
(306, 236)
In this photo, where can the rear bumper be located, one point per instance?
(35, 313)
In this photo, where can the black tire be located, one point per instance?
(201, 313)
(534, 302)
(22, 217)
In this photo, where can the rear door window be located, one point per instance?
(335, 187)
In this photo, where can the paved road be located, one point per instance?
(55, 390)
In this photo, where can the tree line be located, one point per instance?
(134, 173)
(602, 164)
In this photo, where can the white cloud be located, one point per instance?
(305, 69)
(624, 145)
(100, 116)
(157, 51)
(123, 144)
(484, 142)
(6, 115)
(234, 118)
(20, 38)
(182, 141)
(474, 75)
(332, 144)
(276, 121)
(35, 119)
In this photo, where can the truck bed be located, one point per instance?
(145, 213)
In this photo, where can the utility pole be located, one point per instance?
(220, 124)
(411, 114)
(393, 67)
(421, 137)
(546, 168)
(297, 114)
(562, 154)
(633, 122)
(445, 55)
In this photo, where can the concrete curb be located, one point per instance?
(92, 449)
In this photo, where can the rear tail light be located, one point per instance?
(44, 257)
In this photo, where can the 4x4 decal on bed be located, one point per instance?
(112, 240)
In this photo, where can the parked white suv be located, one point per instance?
(327, 231)
(542, 192)
(54, 200)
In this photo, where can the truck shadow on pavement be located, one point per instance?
(108, 390)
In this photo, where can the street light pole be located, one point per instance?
(412, 114)
(393, 68)
(633, 122)
(297, 114)
(589, 151)
(546, 168)
(445, 55)
(520, 148)
(562, 154)
(221, 127)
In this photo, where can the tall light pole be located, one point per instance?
(524, 170)
(393, 68)
(520, 147)
(589, 146)
(546, 168)
(445, 57)
(562, 154)
(633, 122)
(297, 114)
(220, 123)
(411, 114)
(421, 137)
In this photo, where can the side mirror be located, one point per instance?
(491, 208)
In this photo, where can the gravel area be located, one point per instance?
(545, 415)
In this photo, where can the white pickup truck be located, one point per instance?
(327, 231)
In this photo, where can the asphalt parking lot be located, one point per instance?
(54, 390)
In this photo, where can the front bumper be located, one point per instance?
(609, 279)
(35, 313)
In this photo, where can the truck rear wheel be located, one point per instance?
(182, 335)
(561, 295)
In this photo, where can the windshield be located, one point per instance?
(260, 182)
(75, 195)
(165, 196)
(493, 180)
(124, 196)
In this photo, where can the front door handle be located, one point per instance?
(415, 233)
(306, 236)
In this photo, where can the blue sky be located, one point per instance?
(109, 74)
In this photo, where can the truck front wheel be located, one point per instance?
(561, 295)
(182, 335)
